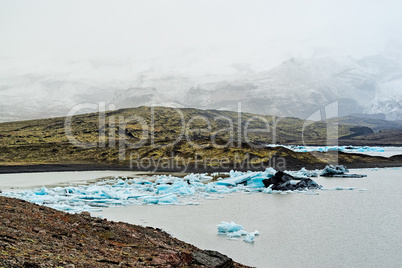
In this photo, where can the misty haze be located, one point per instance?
(284, 59)
(200, 133)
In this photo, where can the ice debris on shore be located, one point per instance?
(167, 190)
(323, 149)
(232, 230)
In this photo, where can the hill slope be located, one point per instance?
(170, 139)
(374, 124)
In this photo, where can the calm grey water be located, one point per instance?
(332, 229)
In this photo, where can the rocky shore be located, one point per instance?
(37, 236)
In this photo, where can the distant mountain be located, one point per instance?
(371, 86)
(375, 124)
(388, 137)
(300, 87)
(140, 96)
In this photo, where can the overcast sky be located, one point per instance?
(193, 35)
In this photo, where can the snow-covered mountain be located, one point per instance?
(297, 87)
(300, 87)
(141, 96)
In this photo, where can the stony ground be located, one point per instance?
(37, 236)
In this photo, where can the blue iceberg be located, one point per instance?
(165, 190)
(233, 230)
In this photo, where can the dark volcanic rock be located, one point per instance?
(210, 258)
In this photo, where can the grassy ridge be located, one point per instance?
(186, 136)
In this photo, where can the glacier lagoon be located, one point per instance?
(358, 227)
(385, 151)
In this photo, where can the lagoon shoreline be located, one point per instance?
(395, 161)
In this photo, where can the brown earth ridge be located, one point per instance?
(38, 236)
(197, 136)
(176, 143)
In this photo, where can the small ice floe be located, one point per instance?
(192, 203)
(302, 174)
(339, 172)
(256, 232)
(339, 188)
(249, 238)
(228, 227)
(311, 193)
(234, 231)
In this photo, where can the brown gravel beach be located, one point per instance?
(37, 236)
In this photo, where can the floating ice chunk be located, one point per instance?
(164, 199)
(256, 182)
(339, 171)
(311, 193)
(251, 179)
(234, 234)
(206, 177)
(213, 188)
(192, 203)
(42, 191)
(302, 173)
(233, 181)
(255, 233)
(249, 238)
(109, 194)
(268, 190)
(163, 179)
(143, 182)
(270, 171)
(168, 199)
(276, 192)
(339, 188)
(165, 190)
(226, 227)
(331, 170)
(242, 232)
(178, 187)
(233, 230)
(149, 199)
